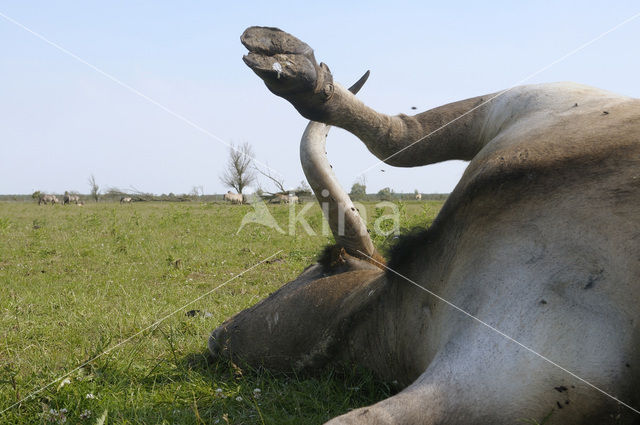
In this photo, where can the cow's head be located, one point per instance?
(307, 322)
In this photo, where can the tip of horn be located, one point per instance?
(358, 84)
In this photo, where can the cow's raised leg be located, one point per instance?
(289, 69)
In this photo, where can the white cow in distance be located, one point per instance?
(234, 198)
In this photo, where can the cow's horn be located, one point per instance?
(349, 230)
(355, 88)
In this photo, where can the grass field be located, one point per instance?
(76, 281)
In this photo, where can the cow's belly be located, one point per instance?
(548, 283)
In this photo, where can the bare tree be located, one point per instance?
(240, 170)
(197, 191)
(278, 182)
(95, 189)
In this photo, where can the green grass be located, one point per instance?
(75, 281)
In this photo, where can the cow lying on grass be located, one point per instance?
(522, 301)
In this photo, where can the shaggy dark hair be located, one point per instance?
(406, 247)
(327, 257)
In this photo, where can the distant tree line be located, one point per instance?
(240, 172)
(359, 193)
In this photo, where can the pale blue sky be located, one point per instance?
(60, 121)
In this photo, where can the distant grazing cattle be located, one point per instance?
(126, 200)
(48, 199)
(283, 198)
(277, 199)
(234, 198)
(418, 196)
(69, 198)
